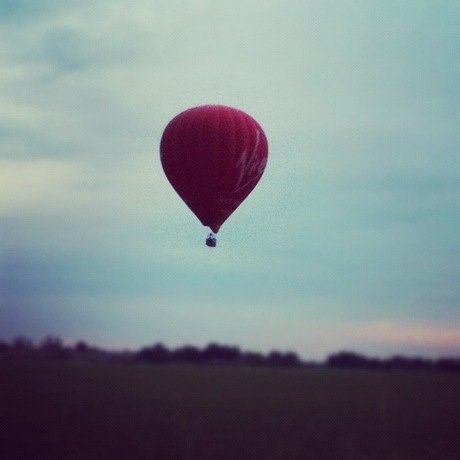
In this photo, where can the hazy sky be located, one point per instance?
(351, 240)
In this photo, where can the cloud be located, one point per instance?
(31, 185)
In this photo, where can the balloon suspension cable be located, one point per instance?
(211, 240)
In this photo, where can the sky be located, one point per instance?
(350, 241)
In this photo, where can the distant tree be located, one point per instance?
(448, 365)
(347, 360)
(157, 354)
(408, 363)
(291, 359)
(4, 347)
(81, 347)
(351, 360)
(52, 347)
(22, 344)
(253, 358)
(375, 364)
(275, 358)
(51, 344)
(188, 354)
(279, 359)
(215, 353)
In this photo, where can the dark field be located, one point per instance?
(51, 410)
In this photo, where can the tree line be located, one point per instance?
(352, 360)
(217, 354)
(213, 353)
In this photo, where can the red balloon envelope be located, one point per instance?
(213, 156)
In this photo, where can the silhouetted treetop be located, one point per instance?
(52, 347)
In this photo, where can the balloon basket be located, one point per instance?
(211, 240)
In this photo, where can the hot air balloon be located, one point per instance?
(213, 156)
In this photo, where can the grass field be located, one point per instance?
(83, 411)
